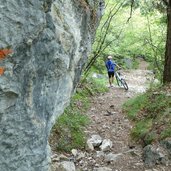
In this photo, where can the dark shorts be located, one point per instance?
(111, 74)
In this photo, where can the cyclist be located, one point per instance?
(110, 65)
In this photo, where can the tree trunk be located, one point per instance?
(167, 66)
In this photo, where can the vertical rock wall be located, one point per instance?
(50, 40)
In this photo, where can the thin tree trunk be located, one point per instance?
(167, 66)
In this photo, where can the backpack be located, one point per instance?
(110, 66)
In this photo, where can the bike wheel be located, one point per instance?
(118, 81)
(124, 84)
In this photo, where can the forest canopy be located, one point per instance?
(131, 29)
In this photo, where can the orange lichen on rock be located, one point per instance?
(2, 69)
(4, 53)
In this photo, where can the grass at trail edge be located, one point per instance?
(150, 114)
(68, 131)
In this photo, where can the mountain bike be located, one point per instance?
(120, 80)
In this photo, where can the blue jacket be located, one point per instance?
(110, 65)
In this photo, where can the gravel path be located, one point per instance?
(109, 122)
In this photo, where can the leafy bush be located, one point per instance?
(143, 36)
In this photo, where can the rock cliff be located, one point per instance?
(50, 41)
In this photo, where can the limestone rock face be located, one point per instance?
(50, 40)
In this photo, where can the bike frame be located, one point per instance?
(120, 81)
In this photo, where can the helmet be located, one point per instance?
(109, 57)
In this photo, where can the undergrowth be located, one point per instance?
(151, 115)
(68, 131)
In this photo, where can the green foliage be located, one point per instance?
(69, 128)
(150, 7)
(135, 64)
(133, 106)
(141, 129)
(166, 133)
(151, 115)
(97, 85)
(144, 34)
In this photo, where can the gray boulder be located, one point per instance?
(167, 145)
(50, 40)
(94, 141)
(66, 166)
(106, 145)
(155, 154)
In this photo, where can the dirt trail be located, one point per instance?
(109, 122)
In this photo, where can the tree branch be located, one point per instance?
(132, 4)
